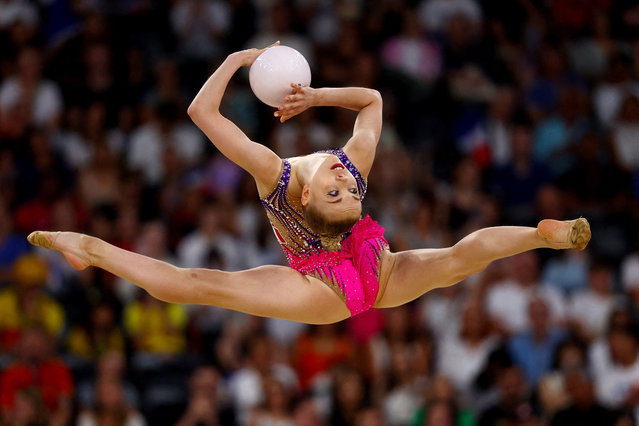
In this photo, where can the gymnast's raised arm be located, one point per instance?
(262, 163)
(360, 148)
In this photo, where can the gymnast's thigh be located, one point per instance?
(407, 275)
(277, 292)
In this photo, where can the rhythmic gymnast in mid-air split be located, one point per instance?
(340, 263)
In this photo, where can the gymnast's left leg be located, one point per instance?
(412, 273)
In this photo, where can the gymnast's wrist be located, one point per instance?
(318, 97)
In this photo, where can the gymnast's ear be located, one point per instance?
(306, 194)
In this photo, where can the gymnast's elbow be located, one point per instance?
(377, 97)
(194, 110)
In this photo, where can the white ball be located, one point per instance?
(273, 72)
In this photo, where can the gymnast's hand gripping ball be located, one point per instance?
(273, 72)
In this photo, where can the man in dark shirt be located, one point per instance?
(583, 410)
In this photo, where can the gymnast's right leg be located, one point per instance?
(268, 291)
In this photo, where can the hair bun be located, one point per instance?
(331, 242)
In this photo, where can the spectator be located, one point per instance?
(533, 350)
(466, 198)
(608, 95)
(616, 386)
(320, 349)
(498, 125)
(624, 134)
(517, 183)
(412, 54)
(435, 14)
(424, 229)
(349, 397)
(14, 11)
(507, 300)
(590, 309)
(276, 408)
(583, 408)
(306, 413)
(402, 395)
(36, 367)
(200, 28)
(41, 97)
(514, 404)
(207, 403)
(556, 136)
(156, 328)
(462, 355)
(247, 385)
(210, 235)
(27, 409)
(98, 337)
(110, 407)
(25, 304)
(99, 181)
(165, 131)
(110, 366)
(398, 332)
(12, 244)
(442, 397)
(567, 272)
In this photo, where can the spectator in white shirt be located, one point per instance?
(165, 131)
(590, 309)
(42, 97)
(507, 301)
(462, 355)
(618, 385)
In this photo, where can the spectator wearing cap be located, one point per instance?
(25, 303)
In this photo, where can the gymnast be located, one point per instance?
(340, 263)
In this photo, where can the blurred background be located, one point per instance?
(494, 113)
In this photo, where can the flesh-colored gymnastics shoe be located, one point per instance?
(43, 239)
(565, 234)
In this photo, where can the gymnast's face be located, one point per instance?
(333, 190)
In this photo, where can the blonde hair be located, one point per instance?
(330, 231)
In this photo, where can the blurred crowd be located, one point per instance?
(494, 113)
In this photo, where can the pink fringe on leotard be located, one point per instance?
(355, 268)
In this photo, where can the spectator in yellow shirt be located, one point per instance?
(99, 336)
(25, 303)
(156, 327)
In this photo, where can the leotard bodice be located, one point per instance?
(285, 214)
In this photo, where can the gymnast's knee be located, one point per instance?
(463, 264)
